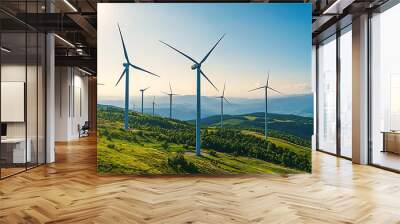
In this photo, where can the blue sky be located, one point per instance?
(259, 37)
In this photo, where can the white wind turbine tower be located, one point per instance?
(170, 94)
(142, 92)
(266, 87)
(222, 97)
(197, 66)
(127, 64)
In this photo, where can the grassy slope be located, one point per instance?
(279, 142)
(147, 156)
(292, 124)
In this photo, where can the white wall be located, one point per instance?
(71, 94)
(62, 82)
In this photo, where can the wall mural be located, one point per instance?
(204, 88)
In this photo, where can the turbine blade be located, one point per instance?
(123, 73)
(170, 88)
(258, 88)
(268, 78)
(146, 89)
(208, 54)
(165, 92)
(227, 100)
(208, 80)
(274, 90)
(123, 45)
(143, 70)
(100, 84)
(180, 52)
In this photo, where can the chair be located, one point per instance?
(84, 130)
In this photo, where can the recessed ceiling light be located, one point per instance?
(5, 50)
(64, 40)
(70, 5)
(337, 7)
(84, 71)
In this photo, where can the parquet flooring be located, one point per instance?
(70, 191)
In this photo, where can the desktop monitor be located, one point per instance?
(3, 129)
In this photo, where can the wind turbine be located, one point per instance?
(266, 87)
(133, 106)
(154, 103)
(197, 66)
(170, 94)
(142, 91)
(125, 72)
(222, 97)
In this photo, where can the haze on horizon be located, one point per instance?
(259, 37)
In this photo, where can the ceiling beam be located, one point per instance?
(337, 7)
(77, 61)
(85, 25)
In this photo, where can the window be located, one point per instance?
(346, 92)
(385, 89)
(327, 95)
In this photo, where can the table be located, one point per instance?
(391, 141)
(13, 150)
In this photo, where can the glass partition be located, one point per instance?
(22, 101)
(14, 153)
(327, 95)
(346, 92)
(385, 89)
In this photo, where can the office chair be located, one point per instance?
(84, 130)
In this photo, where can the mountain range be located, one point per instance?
(184, 107)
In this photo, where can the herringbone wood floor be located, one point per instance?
(70, 191)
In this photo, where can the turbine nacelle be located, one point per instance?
(195, 66)
(125, 64)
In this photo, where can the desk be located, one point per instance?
(391, 141)
(13, 150)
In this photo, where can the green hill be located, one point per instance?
(157, 145)
(291, 124)
(295, 129)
